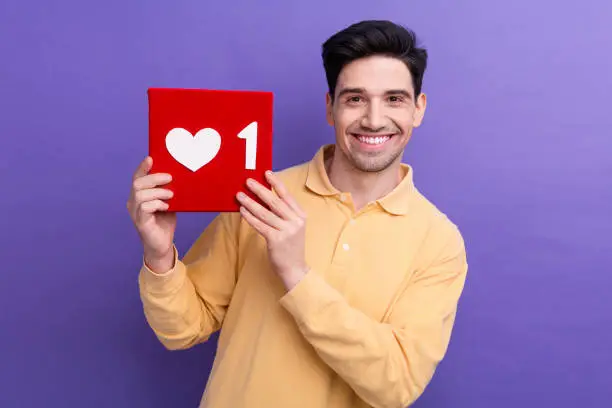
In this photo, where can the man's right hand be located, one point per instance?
(147, 209)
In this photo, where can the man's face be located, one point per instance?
(374, 112)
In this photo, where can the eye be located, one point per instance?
(395, 99)
(354, 99)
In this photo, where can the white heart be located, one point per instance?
(193, 152)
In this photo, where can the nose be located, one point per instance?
(373, 118)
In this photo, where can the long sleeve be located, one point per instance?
(185, 305)
(389, 363)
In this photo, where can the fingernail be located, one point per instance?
(240, 195)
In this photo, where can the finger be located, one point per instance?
(151, 194)
(151, 181)
(150, 207)
(143, 168)
(277, 205)
(261, 227)
(283, 193)
(259, 211)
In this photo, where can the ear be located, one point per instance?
(419, 113)
(329, 106)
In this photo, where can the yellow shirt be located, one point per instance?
(367, 326)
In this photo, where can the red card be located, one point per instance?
(210, 141)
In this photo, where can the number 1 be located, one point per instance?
(249, 133)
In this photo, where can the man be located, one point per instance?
(344, 292)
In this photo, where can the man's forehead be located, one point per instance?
(375, 75)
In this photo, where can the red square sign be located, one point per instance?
(210, 142)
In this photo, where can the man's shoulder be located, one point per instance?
(432, 209)
(294, 177)
(440, 226)
(291, 173)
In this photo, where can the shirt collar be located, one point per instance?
(397, 202)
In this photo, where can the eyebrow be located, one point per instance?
(388, 92)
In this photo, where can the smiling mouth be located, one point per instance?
(373, 140)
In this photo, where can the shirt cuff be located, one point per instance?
(309, 297)
(168, 281)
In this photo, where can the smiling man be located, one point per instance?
(344, 291)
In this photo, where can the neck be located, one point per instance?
(364, 187)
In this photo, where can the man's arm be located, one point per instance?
(387, 364)
(187, 303)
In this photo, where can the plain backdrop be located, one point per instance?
(515, 148)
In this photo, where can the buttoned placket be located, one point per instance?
(344, 246)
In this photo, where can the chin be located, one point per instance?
(373, 164)
(375, 160)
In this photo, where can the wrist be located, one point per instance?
(293, 276)
(160, 264)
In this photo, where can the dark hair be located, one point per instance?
(373, 37)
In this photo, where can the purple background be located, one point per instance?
(515, 148)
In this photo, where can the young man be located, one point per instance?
(344, 293)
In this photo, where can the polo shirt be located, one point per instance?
(366, 327)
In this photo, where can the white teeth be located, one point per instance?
(374, 140)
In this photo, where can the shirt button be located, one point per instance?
(342, 197)
(352, 221)
(346, 247)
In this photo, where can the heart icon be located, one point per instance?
(193, 152)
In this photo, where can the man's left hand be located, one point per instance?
(283, 227)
